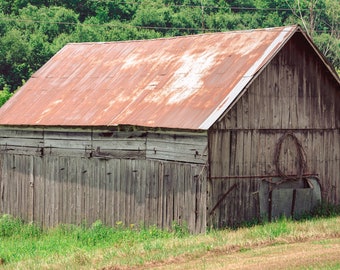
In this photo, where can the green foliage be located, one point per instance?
(5, 95)
(47, 21)
(330, 46)
(153, 14)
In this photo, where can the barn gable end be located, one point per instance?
(289, 109)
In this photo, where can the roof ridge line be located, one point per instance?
(268, 29)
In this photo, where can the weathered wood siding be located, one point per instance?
(294, 94)
(72, 176)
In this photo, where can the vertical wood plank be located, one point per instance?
(117, 190)
(88, 204)
(30, 183)
(160, 196)
(123, 194)
(109, 195)
(63, 190)
(180, 194)
(72, 185)
(147, 196)
(188, 200)
(2, 184)
(101, 180)
(81, 170)
(55, 190)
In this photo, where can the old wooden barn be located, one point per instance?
(203, 130)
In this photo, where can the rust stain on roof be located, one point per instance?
(183, 82)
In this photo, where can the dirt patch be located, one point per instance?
(278, 255)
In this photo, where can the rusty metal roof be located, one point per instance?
(182, 82)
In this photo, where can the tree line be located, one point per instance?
(31, 32)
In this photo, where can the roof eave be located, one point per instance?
(118, 128)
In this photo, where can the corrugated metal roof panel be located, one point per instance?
(183, 82)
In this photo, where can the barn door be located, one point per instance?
(291, 198)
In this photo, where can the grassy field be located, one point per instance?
(312, 243)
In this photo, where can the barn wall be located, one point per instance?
(75, 176)
(293, 95)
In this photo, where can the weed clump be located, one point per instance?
(14, 227)
(325, 210)
(9, 226)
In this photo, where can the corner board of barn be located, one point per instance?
(274, 151)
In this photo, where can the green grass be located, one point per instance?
(27, 246)
(23, 242)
